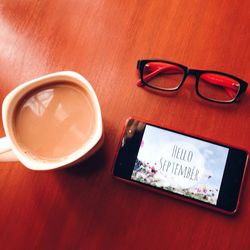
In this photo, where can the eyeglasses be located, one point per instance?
(210, 85)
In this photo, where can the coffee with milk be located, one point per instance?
(54, 120)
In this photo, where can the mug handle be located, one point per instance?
(6, 153)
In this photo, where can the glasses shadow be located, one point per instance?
(241, 103)
(160, 92)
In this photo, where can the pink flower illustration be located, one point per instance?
(153, 169)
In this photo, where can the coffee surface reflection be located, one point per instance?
(54, 121)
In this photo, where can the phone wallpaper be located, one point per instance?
(180, 164)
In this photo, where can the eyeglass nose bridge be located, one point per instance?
(194, 72)
(191, 72)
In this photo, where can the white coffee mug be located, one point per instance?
(9, 148)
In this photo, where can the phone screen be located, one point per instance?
(180, 164)
(185, 165)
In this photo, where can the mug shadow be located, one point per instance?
(87, 167)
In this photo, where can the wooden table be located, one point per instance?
(83, 207)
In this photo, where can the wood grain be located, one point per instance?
(83, 207)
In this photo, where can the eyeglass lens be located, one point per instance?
(213, 86)
(218, 87)
(162, 75)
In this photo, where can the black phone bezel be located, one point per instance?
(231, 181)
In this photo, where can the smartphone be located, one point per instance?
(183, 166)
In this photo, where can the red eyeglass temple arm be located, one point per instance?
(229, 85)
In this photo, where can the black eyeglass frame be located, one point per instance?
(195, 72)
